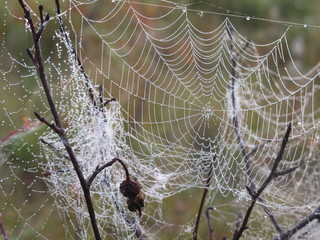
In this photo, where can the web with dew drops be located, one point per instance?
(190, 101)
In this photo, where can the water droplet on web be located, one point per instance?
(248, 18)
(200, 13)
(113, 0)
(228, 11)
(305, 25)
(184, 9)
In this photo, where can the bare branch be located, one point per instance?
(108, 164)
(31, 56)
(288, 234)
(234, 110)
(57, 127)
(271, 216)
(246, 155)
(73, 51)
(276, 162)
(44, 22)
(285, 172)
(205, 192)
(55, 148)
(37, 60)
(256, 194)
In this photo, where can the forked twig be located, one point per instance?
(256, 194)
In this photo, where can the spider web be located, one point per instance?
(179, 88)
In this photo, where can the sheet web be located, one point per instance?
(187, 98)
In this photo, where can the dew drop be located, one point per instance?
(305, 25)
(184, 9)
(247, 18)
(113, 0)
(200, 13)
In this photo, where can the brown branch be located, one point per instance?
(108, 164)
(37, 60)
(57, 127)
(256, 194)
(204, 195)
(53, 126)
(128, 182)
(3, 229)
(288, 234)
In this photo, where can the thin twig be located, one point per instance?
(234, 113)
(239, 217)
(3, 229)
(73, 51)
(285, 172)
(108, 101)
(246, 155)
(210, 227)
(205, 192)
(137, 230)
(99, 169)
(57, 126)
(288, 234)
(256, 194)
(55, 148)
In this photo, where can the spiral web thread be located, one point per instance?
(179, 88)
